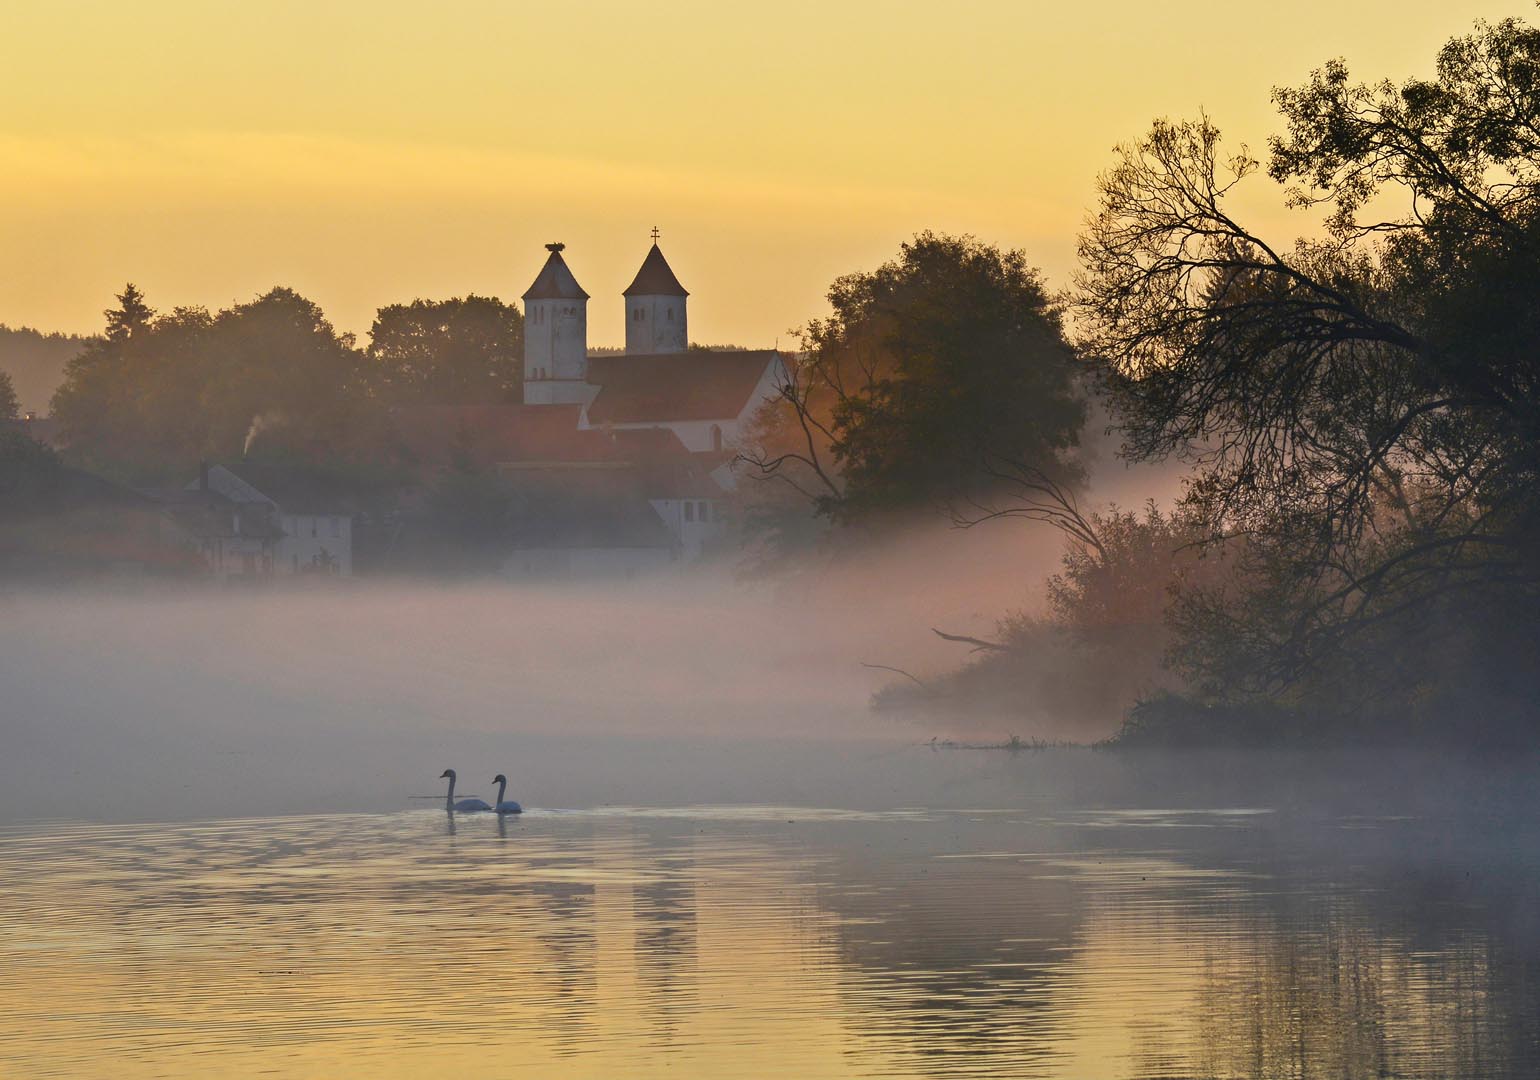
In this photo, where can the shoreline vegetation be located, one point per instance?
(1013, 744)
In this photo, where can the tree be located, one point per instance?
(278, 368)
(1364, 408)
(35, 363)
(151, 400)
(10, 408)
(933, 377)
(462, 351)
(130, 316)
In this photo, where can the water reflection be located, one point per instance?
(766, 941)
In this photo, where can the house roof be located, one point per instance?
(683, 480)
(655, 278)
(701, 384)
(208, 515)
(294, 490)
(63, 490)
(569, 507)
(523, 435)
(555, 281)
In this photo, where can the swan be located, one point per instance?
(505, 806)
(466, 805)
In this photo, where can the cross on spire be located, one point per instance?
(654, 234)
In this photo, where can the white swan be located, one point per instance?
(464, 805)
(505, 806)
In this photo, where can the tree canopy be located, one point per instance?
(463, 351)
(1363, 406)
(158, 392)
(10, 408)
(931, 374)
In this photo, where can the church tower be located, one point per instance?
(655, 316)
(555, 336)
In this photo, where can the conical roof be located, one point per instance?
(555, 281)
(655, 278)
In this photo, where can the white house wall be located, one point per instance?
(312, 541)
(703, 526)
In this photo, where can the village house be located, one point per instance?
(302, 520)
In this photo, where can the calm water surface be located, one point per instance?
(1048, 931)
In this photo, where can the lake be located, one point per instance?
(790, 908)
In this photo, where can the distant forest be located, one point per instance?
(35, 362)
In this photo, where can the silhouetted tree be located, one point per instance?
(1364, 408)
(449, 352)
(130, 316)
(10, 408)
(153, 399)
(931, 373)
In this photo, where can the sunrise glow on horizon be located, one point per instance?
(366, 154)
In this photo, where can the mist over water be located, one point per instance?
(222, 846)
(144, 704)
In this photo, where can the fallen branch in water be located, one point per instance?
(922, 684)
(979, 644)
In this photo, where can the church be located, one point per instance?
(704, 396)
(619, 461)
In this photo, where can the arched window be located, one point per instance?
(689, 510)
(716, 437)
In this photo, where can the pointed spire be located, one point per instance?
(555, 280)
(655, 278)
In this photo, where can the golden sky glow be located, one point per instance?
(370, 151)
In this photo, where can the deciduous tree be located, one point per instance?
(931, 373)
(10, 408)
(1363, 406)
(464, 351)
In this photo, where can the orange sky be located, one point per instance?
(370, 151)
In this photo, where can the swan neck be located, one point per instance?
(502, 789)
(450, 798)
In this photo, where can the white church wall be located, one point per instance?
(656, 324)
(556, 352)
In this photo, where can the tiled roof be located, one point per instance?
(701, 384)
(523, 435)
(655, 278)
(208, 515)
(583, 508)
(294, 490)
